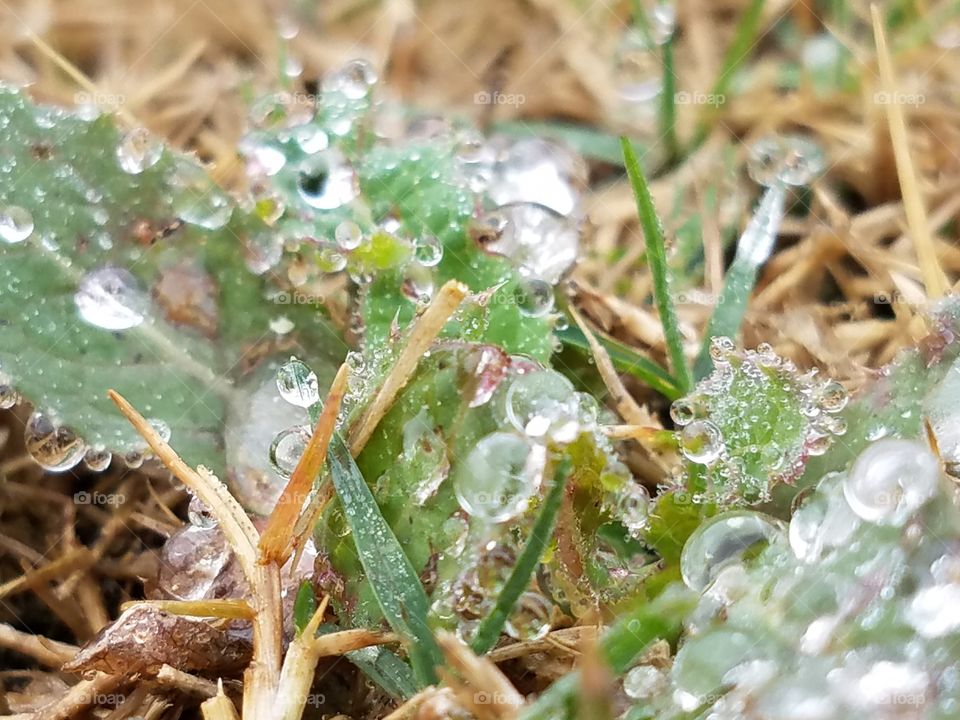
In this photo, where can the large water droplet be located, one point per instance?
(199, 514)
(530, 619)
(890, 480)
(348, 235)
(138, 150)
(355, 80)
(539, 241)
(824, 522)
(298, 384)
(311, 139)
(110, 298)
(97, 458)
(197, 201)
(287, 448)
(789, 159)
(8, 394)
(720, 542)
(52, 446)
(534, 170)
(536, 400)
(534, 297)
(428, 251)
(701, 442)
(16, 224)
(498, 477)
(327, 181)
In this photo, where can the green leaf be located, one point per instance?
(753, 249)
(657, 260)
(392, 578)
(625, 359)
(540, 535)
(304, 605)
(668, 104)
(179, 244)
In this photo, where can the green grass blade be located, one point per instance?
(387, 670)
(668, 104)
(753, 249)
(304, 606)
(744, 39)
(394, 581)
(627, 360)
(657, 260)
(519, 579)
(620, 646)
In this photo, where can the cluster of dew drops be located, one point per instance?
(862, 585)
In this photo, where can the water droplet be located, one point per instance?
(644, 681)
(326, 181)
(535, 170)
(720, 542)
(824, 522)
(540, 242)
(262, 250)
(53, 447)
(197, 201)
(789, 159)
(199, 514)
(530, 619)
(633, 507)
(418, 284)
(138, 150)
(134, 459)
(499, 476)
(287, 448)
(428, 251)
(263, 156)
(701, 442)
(720, 349)
(161, 427)
(536, 396)
(97, 458)
(683, 412)
(354, 80)
(311, 139)
(638, 70)
(348, 235)
(8, 395)
(298, 384)
(534, 297)
(16, 224)
(110, 298)
(331, 260)
(890, 480)
(833, 397)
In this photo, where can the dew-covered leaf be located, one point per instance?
(122, 266)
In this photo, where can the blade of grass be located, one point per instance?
(391, 576)
(620, 647)
(387, 670)
(744, 38)
(753, 249)
(540, 534)
(625, 359)
(657, 260)
(668, 105)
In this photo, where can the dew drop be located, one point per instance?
(110, 298)
(287, 448)
(530, 619)
(833, 397)
(97, 458)
(534, 297)
(138, 150)
(161, 427)
(199, 514)
(418, 284)
(331, 260)
(134, 459)
(348, 235)
(298, 384)
(890, 480)
(633, 507)
(499, 476)
(197, 201)
(683, 411)
(789, 159)
(535, 397)
(311, 139)
(8, 395)
(53, 447)
(16, 224)
(326, 181)
(428, 251)
(355, 80)
(701, 442)
(539, 241)
(720, 542)
(262, 250)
